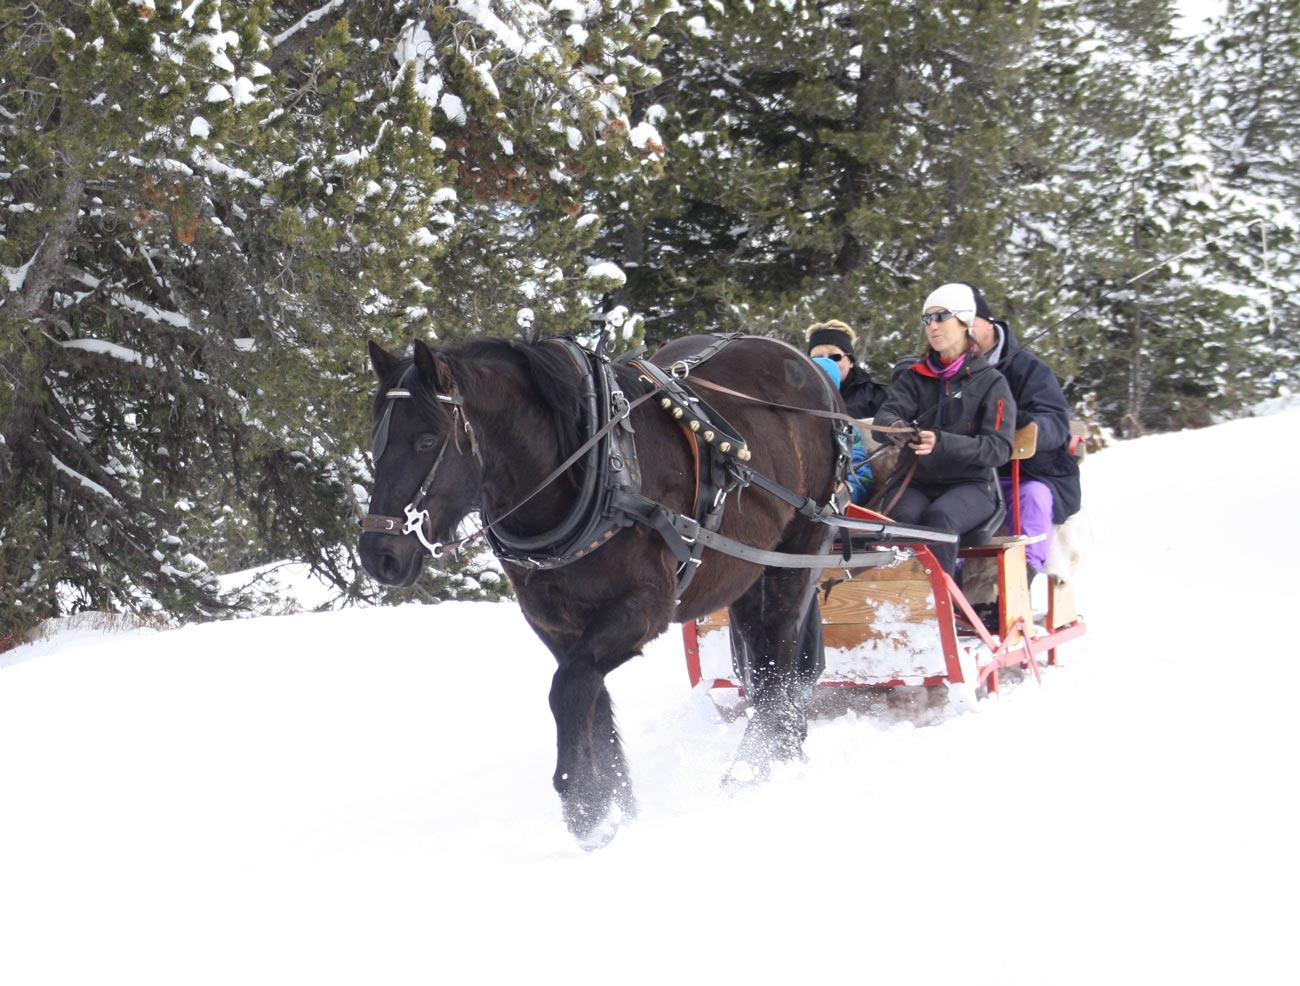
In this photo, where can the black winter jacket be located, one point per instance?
(1039, 396)
(973, 415)
(862, 395)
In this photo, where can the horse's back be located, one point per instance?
(766, 371)
(768, 368)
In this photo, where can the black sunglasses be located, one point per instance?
(942, 316)
(836, 356)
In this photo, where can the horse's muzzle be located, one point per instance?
(392, 560)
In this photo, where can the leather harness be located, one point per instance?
(610, 496)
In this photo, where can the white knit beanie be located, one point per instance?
(957, 298)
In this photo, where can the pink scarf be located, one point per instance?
(949, 370)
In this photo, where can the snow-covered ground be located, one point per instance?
(364, 796)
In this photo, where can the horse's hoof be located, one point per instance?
(743, 774)
(598, 835)
(769, 742)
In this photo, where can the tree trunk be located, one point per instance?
(30, 305)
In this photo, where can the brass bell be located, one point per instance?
(677, 412)
(724, 447)
(744, 455)
(665, 403)
(695, 425)
(708, 436)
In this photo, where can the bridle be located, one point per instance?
(505, 545)
(416, 517)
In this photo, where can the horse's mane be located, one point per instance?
(554, 374)
(549, 367)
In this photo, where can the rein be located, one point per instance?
(831, 415)
(417, 518)
(624, 412)
(901, 430)
(685, 536)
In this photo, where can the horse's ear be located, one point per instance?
(434, 367)
(381, 359)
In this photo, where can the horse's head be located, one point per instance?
(427, 473)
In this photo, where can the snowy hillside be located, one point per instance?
(364, 796)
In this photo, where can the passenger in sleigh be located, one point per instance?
(964, 417)
(830, 345)
(859, 477)
(835, 340)
(1049, 480)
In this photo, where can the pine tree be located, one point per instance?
(1248, 65)
(209, 207)
(833, 161)
(824, 161)
(109, 410)
(1113, 180)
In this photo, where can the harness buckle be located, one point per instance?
(620, 406)
(688, 529)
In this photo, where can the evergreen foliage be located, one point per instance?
(1108, 194)
(824, 161)
(207, 207)
(839, 160)
(1249, 62)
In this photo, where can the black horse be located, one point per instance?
(482, 426)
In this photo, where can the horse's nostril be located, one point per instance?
(389, 568)
(379, 560)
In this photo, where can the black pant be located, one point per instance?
(950, 508)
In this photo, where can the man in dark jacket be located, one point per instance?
(835, 340)
(1049, 481)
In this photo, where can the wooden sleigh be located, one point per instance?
(911, 624)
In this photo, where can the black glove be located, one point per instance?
(901, 438)
(1023, 418)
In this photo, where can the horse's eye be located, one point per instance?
(424, 443)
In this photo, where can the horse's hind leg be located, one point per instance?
(810, 657)
(778, 638)
(591, 773)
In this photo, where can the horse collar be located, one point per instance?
(611, 498)
(609, 464)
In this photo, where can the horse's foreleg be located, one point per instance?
(590, 638)
(591, 774)
(779, 636)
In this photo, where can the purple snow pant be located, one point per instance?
(1035, 517)
(954, 508)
